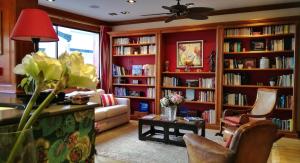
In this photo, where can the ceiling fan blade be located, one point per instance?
(196, 16)
(167, 8)
(155, 14)
(203, 10)
(189, 4)
(171, 18)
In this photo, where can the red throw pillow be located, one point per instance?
(108, 100)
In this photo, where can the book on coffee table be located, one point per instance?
(189, 119)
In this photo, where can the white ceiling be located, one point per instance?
(82, 7)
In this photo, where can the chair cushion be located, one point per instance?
(109, 111)
(233, 119)
(108, 100)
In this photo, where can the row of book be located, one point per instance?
(285, 80)
(119, 70)
(238, 32)
(235, 99)
(151, 49)
(284, 62)
(121, 50)
(202, 82)
(120, 91)
(207, 82)
(281, 44)
(169, 92)
(286, 125)
(233, 46)
(284, 101)
(279, 29)
(146, 39)
(209, 116)
(171, 81)
(150, 81)
(139, 40)
(206, 96)
(121, 41)
(232, 79)
(266, 30)
(151, 92)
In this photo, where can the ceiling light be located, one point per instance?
(50, 0)
(131, 1)
(112, 14)
(124, 12)
(94, 6)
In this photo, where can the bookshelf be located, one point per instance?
(260, 56)
(258, 42)
(197, 84)
(134, 60)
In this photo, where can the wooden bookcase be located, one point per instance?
(201, 105)
(134, 62)
(252, 47)
(253, 56)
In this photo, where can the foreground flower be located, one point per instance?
(68, 71)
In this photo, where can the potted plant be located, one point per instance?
(46, 72)
(169, 105)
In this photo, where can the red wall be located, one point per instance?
(170, 43)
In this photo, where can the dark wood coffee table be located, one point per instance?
(179, 123)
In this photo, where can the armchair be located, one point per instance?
(263, 106)
(251, 142)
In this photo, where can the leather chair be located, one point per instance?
(251, 143)
(263, 106)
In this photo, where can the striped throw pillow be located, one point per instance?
(108, 100)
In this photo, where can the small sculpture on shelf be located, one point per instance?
(212, 61)
(167, 66)
(188, 64)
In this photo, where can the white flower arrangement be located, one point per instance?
(173, 100)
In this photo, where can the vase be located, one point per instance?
(170, 113)
(26, 151)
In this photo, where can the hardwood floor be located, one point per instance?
(285, 150)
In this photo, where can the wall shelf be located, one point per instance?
(182, 87)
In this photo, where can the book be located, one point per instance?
(189, 119)
(190, 94)
(150, 116)
(137, 70)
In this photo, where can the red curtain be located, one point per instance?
(106, 72)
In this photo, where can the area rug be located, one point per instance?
(123, 144)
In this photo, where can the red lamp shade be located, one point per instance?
(34, 24)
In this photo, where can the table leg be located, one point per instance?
(152, 130)
(166, 134)
(203, 130)
(140, 130)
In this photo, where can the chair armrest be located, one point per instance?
(123, 101)
(201, 149)
(231, 112)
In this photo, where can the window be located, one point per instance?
(74, 40)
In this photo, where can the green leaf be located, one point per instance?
(51, 124)
(57, 152)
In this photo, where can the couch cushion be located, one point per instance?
(109, 111)
(108, 100)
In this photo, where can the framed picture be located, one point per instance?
(250, 63)
(190, 53)
(258, 45)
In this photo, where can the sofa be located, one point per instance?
(109, 116)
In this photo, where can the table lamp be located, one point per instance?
(34, 25)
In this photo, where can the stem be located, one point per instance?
(29, 106)
(31, 120)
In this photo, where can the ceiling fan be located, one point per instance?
(179, 11)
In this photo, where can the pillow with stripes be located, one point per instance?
(108, 100)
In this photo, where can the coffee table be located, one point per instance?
(175, 126)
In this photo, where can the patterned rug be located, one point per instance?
(123, 144)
